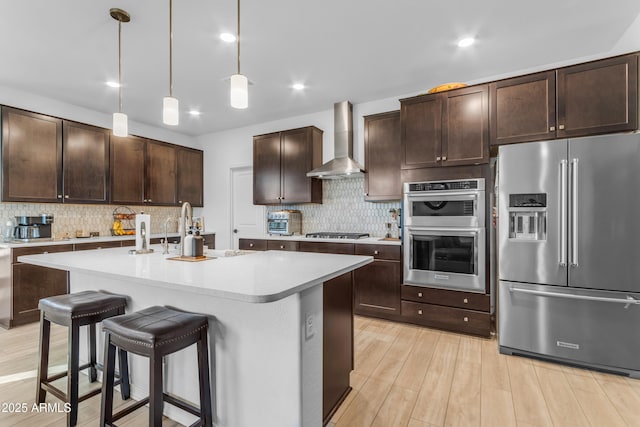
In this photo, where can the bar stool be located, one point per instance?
(154, 333)
(74, 310)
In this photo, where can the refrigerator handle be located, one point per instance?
(628, 301)
(563, 213)
(574, 212)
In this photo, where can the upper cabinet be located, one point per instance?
(160, 174)
(85, 152)
(281, 161)
(127, 170)
(586, 99)
(189, 176)
(382, 156)
(31, 157)
(445, 129)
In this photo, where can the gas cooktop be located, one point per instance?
(336, 235)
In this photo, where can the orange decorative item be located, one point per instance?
(446, 86)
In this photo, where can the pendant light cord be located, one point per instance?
(120, 66)
(171, 48)
(238, 36)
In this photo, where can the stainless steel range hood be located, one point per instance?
(343, 165)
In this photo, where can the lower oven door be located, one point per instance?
(448, 258)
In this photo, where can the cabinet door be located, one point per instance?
(377, 288)
(421, 132)
(160, 174)
(127, 170)
(190, 176)
(266, 169)
(31, 157)
(30, 284)
(598, 97)
(465, 135)
(382, 155)
(86, 163)
(523, 109)
(297, 151)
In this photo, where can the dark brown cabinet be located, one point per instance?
(445, 129)
(281, 161)
(127, 170)
(586, 99)
(85, 165)
(189, 176)
(382, 153)
(377, 285)
(160, 176)
(31, 157)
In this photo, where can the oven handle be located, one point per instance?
(429, 231)
(440, 196)
(627, 301)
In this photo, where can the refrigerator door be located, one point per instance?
(526, 169)
(604, 225)
(586, 327)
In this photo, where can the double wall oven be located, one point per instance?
(444, 233)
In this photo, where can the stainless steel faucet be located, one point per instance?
(186, 219)
(165, 241)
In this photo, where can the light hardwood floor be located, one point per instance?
(404, 376)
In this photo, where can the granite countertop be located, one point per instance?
(259, 277)
(302, 238)
(44, 242)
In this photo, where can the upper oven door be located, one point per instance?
(445, 209)
(447, 258)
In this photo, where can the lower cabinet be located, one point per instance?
(377, 285)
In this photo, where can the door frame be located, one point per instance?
(232, 169)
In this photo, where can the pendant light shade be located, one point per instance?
(239, 91)
(170, 111)
(120, 121)
(239, 83)
(170, 105)
(120, 125)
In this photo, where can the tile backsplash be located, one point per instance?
(343, 209)
(69, 218)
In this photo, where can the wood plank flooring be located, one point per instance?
(404, 375)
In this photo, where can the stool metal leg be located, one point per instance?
(106, 406)
(93, 372)
(43, 366)
(155, 389)
(205, 389)
(72, 372)
(124, 374)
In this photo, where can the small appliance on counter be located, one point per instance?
(285, 222)
(32, 228)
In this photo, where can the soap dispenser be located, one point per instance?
(188, 244)
(197, 247)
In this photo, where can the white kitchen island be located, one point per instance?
(266, 325)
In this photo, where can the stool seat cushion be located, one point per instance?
(81, 304)
(155, 326)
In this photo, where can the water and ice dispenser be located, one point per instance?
(528, 216)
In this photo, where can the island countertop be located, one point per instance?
(259, 277)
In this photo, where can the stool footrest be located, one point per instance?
(129, 409)
(185, 406)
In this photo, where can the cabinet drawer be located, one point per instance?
(453, 319)
(282, 245)
(96, 245)
(252, 244)
(390, 252)
(327, 247)
(467, 300)
(36, 250)
(209, 240)
(133, 242)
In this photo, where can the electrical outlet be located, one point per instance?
(309, 327)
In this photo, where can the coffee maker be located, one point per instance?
(33, 227)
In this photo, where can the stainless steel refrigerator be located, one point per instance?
(569, 251)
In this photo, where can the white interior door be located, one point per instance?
(247, 219)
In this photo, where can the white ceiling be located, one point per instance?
(360, 50)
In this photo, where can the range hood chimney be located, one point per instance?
(343, 165)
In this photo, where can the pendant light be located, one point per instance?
(170, 106)
(239, 83)
(120, 125)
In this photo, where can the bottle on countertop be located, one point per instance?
(197, 246)
(188, 244)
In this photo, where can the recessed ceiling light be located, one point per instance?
(111, 83)
(298, 86)
(194, 112)
(465, 42)
(228, 37)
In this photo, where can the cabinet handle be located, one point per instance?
(444, 158)
(282, 198)
(99, 247)
(366, 194)
(180, 201)
(560, 127)
(552, 128)
(45, 252)
(149, 200)
(250, 245)
(466, 301)
(59, 196)
(420, 294)
(420, 312)
(281, 246)
(66, 196)
(375, 252)
(466, 319)
(438, 158)
(144, 200)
